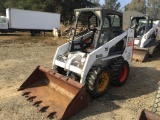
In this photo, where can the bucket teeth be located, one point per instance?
(31, 98)
(43, 108)
(54, 93)
(25, 93)
(51, 115)
(54, 111)
(36, 103)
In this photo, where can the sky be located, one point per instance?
(123, 2)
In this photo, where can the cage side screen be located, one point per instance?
(87, 21)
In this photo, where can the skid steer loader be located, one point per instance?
(145, 33)
(98, 54)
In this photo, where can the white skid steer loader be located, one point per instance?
(98, 54)
(145, 43)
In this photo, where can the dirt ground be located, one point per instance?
(20, 54)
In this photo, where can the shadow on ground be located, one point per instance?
(11, 34)
(141, 81)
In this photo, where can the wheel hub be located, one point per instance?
(103, 81)
(123, 73)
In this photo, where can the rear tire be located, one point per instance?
(119, 72)
(97, 81)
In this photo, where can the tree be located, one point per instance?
(10, 3)
(96, 2)
(136, 5)
(126, 7)
(2, 7)
(153, 8)
(150, 7)
(112, 4)
(64, 7)
(68, 6)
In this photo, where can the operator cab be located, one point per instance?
(94, 28)
(141, 26)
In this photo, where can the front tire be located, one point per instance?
(97, 81)
(119, 72)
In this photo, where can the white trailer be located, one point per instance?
(27, 20)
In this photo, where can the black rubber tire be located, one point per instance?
(119, 68)
(92, 81)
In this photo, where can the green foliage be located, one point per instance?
(64, 7)
(112, 4)
(151, 7)
(68, 10)
(2, 7)
(136, 5)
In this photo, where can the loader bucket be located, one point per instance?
(59, 96)
(140, 54)
(146, 115)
